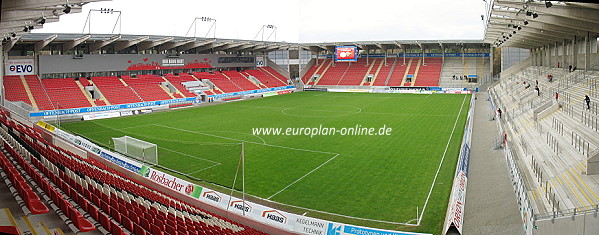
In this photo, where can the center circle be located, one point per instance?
(321, 111)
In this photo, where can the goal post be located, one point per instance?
(132, 147)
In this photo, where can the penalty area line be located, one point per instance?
(304, 176)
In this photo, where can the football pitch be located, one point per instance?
(390, 179)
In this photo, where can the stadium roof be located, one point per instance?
(121, 41)
(533, 24)
(144, 42)
(18, 17)
(395, 44)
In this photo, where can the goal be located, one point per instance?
(136, 148)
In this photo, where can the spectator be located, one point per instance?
(556, 96)
(588, 101)
(551, 78)
(499, 112)
(558, 64)
(538, 91)
(570, 68)
(537, 82)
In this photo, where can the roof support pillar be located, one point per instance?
(576, 48)
(587, 52)
(386, 54)
(564, 63)
(2, 98)
(404, 55)
(555, 54)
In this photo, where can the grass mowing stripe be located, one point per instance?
(442, 158)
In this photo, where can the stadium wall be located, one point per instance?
(49, 64)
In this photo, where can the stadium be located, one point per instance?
(117, 133)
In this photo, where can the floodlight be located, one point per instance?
(528, 13)
(548, 4)
(535, 15)
(13, 34)
(25, 29)
(526, 22)
(519, 28)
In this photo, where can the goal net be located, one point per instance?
(137, 148)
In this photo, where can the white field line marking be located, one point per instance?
(263, 141)
(340, 113)
(251, 142)
(184, 154)
(203, 169)
(324, 163)
(270, 145)
(441, 162)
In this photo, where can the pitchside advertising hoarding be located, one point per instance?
(19, 67)
(346, 53)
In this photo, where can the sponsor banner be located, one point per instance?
(283, 92)
(260, 61)
(393, 55)
(453, 89)
(177, 62)
(344, 229)
(307, 225)
(347, 90)
(219, 96)
(410, 55)
(126, 113)
(83, 143)
(46, 126)
(315, 89)
(346, 53)
(268, 94)
(19, 67)
(95, 116)
(112, 107)
(169, 181)
(457, 92)
(402, 91)
(455, 216)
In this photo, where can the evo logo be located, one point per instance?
(21, 69)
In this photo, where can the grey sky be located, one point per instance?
(296, 20)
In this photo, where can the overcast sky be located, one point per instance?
(295, 20)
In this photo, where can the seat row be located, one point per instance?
(108, 198)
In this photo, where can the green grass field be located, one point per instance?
(378, 177)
